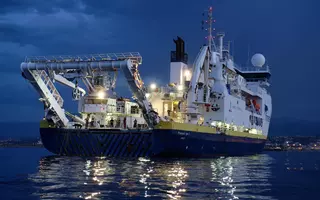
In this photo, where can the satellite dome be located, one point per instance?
(258, 60)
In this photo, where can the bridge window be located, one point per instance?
(96, 101)
(134, 110)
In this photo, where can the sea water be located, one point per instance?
(34, 173)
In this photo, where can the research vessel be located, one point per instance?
(211, 107)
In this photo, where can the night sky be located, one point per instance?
(287, 32)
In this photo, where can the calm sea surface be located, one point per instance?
(33, 173)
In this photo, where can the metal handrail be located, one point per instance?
(253, 69)
(90, 57)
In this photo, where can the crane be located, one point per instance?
(43, 71)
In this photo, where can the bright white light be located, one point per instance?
(187, 73)
(153, 86)
(253, 131)
(147, 95)
(101, 94)
(228, 126)
(180, 87)
(219, 124)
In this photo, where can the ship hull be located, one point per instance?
(90, 143)
(146, 143)
(177, 143)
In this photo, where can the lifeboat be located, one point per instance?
(256, 105)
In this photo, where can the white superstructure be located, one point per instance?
(214, 91)
(228, 97)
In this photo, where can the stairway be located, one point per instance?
(48, 91)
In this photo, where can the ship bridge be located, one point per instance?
(254, 74)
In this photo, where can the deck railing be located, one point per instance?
(135, 56)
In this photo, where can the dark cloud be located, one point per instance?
(43, 7)
(96, 7)
(11, 32)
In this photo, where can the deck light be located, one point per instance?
(153, 86)
(101, 94)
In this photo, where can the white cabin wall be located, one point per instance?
(236, 112)
(157, 103)
(255, 87)
(177, 74)
(239, 116)
(215, 115)
(112, 105)
(267, 101)
(233, 111)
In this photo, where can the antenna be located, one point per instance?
(210, 29)
(233, 50)
(247, 64)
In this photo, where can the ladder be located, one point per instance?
(52, 89)
(43, 84)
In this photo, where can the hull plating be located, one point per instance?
(87, 143)
(157, 143)
(168, 143)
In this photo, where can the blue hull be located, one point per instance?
(146, 143)
(174, 143)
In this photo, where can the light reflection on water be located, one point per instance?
(100, 178)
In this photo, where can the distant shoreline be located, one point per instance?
(291, 150)
(265, 150)
(21, 146)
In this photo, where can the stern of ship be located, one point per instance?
(95, 142)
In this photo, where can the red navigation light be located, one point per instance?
(210, 8)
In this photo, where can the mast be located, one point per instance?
(208, 55)
(210, 28)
